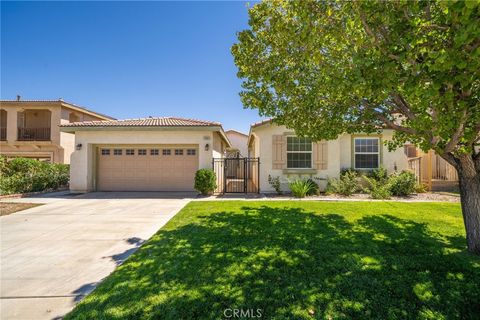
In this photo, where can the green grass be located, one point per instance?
(300, 260)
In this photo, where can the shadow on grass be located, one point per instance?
(291, 263)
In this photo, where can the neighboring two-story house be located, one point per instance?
(30, 128)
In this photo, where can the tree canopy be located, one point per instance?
(324, 68)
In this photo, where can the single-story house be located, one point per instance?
(149, 154)
(283, 154)
(239, 142)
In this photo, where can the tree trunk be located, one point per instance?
(469, 182)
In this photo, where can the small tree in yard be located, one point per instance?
(325, 68)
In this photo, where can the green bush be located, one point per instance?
(403, 184)
(346, 185)
(380, 175)
(301, 188)
(420, 188)
(315, 190)
(345, 171)
(378, 189)
(205, 181)
(22, 175)
(275, 183)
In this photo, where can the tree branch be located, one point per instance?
(458, 133)
(427, 11)
(392, 125)
(403, 105)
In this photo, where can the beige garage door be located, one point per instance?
(147, 168)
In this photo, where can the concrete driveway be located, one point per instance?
(55, 254)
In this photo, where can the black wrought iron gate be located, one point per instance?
(237, 175)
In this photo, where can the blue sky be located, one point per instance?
(127, 59)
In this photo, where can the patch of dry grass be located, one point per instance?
(7, 208)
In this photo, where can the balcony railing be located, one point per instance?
(3, 134)
(33, 134)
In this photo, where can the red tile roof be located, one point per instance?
(145, 122)
(259, 123)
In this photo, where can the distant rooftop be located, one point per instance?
(60, 102)
(236, 131)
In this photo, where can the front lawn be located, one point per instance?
(298, 259)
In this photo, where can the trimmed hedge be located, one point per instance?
(23, 175)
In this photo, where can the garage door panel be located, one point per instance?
(138, 172)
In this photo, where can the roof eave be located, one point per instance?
(213, 128)
(85, 110)
(70, 128)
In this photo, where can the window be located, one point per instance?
(179, 152)
(154, 152)
(166, 152)
(410, 151)
(367, 153)
(130, 152)
(142, 152)
(299, 153)
(117, 152)
(105, 152)
(191, 152)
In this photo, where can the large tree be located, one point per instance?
(324, 68)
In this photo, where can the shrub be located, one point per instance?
(22, 175)
(345, 171)
(301, 188)
(378, 189)
(420, 188)
(346, 185)
(315, 189)
(275, 183)
(380, 174)
(205, 181)
(403, 184)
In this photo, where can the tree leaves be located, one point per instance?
(324, 68)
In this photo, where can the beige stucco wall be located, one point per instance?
(388, 159)
(67, 141)
(339, 157)
(82, 166)
(254, 146)
(218, 145)
(238, 141)
(36, 119)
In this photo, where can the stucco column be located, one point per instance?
(55, 121)
(12, 127)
